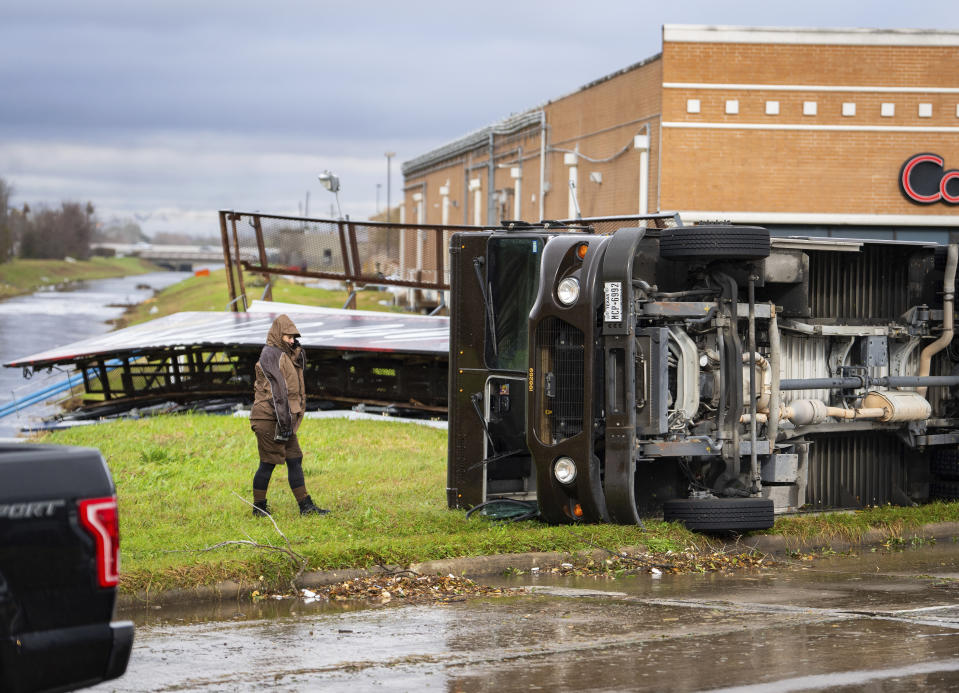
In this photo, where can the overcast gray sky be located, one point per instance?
(165, 112)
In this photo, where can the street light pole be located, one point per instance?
(331, 182)
(389, 155)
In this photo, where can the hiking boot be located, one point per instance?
(260, 508)
(308, 507)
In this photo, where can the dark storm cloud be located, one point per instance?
(302, 68)
(393, 69)
(169, 110)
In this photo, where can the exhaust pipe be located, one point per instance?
(948, 301)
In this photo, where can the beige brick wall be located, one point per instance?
(827, 163)
(810, 173)
(744, 63)
(752, 161)
(600, 121)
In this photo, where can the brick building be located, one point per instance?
(843, 132)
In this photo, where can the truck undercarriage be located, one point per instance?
(709, 374)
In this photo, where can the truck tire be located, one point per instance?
(715, 242)
(720, 514)
(945, 464)
(944, 490)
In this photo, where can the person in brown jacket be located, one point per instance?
(279, 401)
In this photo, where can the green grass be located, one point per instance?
(19, 277)
(211, 293)
(384, 481)
(894, 521)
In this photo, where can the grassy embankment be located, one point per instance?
(18, 277)
(176, 478)
(210, 292)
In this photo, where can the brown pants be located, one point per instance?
(274, 451)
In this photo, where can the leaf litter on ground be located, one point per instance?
(408, 589)
(691, 560)
(413, 588)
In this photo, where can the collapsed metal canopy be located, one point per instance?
(352, 357)
(327, 328)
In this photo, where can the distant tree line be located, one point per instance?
(55, 232)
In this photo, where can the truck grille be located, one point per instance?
(560, 365)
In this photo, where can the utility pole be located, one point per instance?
(389, 211)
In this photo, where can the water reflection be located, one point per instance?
(889, 620)
(51, 318)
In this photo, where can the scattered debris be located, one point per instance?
(408, 589)
(412, 588)
(659, 564)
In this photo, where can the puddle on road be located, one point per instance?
(677, 632)
(884, 580)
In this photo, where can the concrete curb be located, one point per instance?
(486, 566)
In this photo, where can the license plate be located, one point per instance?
(613, 292)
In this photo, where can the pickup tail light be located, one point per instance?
(99, 517)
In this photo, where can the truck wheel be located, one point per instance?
(719, 514)
(944, 490)
(945, 464)
(715, 242)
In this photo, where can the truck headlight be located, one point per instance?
(564, 469)
(568, 291)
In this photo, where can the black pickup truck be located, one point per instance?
(59, 552)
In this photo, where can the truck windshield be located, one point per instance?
(513, 276)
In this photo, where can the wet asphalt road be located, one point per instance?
(883, 621)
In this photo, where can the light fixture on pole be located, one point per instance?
(389, 155)
(332, 183)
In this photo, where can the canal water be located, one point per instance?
(59, 316)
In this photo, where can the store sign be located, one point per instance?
(924, 180)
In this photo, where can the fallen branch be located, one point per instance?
(294, 556)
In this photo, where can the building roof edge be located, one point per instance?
(508, 125)
(703, 33)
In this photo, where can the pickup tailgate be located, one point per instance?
(57, 576)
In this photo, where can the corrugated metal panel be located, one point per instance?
(863, 466)
(804, 357)
(347, 330)
(871, 284)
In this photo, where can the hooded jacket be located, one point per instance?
(279, 392)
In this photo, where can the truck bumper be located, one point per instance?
(65, 658)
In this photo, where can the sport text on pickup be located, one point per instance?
(59, 555)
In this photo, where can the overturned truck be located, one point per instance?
(611, 370)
